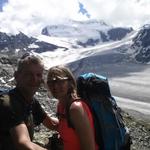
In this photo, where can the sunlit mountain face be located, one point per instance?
(141, 45)
(88, 33)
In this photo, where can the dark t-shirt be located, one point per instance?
(14, 111)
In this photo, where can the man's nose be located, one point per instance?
(36, 78)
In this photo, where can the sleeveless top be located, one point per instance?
(68, 134)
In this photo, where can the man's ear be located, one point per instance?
(15, 75)
(42, 81)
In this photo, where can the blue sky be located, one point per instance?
(1, 3)
(30, 16)
(83, 10)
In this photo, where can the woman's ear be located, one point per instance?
(70, 87)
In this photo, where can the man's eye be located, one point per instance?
(39, 75)
(27, 74)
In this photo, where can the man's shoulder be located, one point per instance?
(9, 100)
(5, 106)
(5, 97)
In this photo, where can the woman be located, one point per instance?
(62, 85)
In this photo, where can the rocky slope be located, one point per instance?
(140, 132)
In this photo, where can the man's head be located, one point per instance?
(29, 73)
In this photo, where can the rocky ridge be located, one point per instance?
(141, 45)
(10, 44)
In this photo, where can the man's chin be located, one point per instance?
(33, 89)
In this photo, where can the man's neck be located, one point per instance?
(28, 95)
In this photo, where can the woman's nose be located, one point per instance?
(55, 85)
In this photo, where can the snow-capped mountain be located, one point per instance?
(11, 44)
(141, 45)
(88, 33)
(79, 39)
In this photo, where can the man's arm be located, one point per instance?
(51, 122)
(21, 138)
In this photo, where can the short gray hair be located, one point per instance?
(27, 59)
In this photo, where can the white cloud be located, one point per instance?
(30, 16)
(120, 12)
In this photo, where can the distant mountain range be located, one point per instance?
(74, 35)
(20, 42)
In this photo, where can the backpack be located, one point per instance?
(110, 130)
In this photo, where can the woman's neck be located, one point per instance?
(64, 100)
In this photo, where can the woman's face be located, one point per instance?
(58, 87)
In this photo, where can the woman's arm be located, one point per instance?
(82, 126)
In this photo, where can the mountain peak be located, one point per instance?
(141, 44)
(86, 33)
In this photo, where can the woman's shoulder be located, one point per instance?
(76, 111)
(80, 105)
(77, 105)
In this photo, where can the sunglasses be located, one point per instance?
(56, 80)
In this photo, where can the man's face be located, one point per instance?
(30, 77)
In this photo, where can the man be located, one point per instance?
(20, 111)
